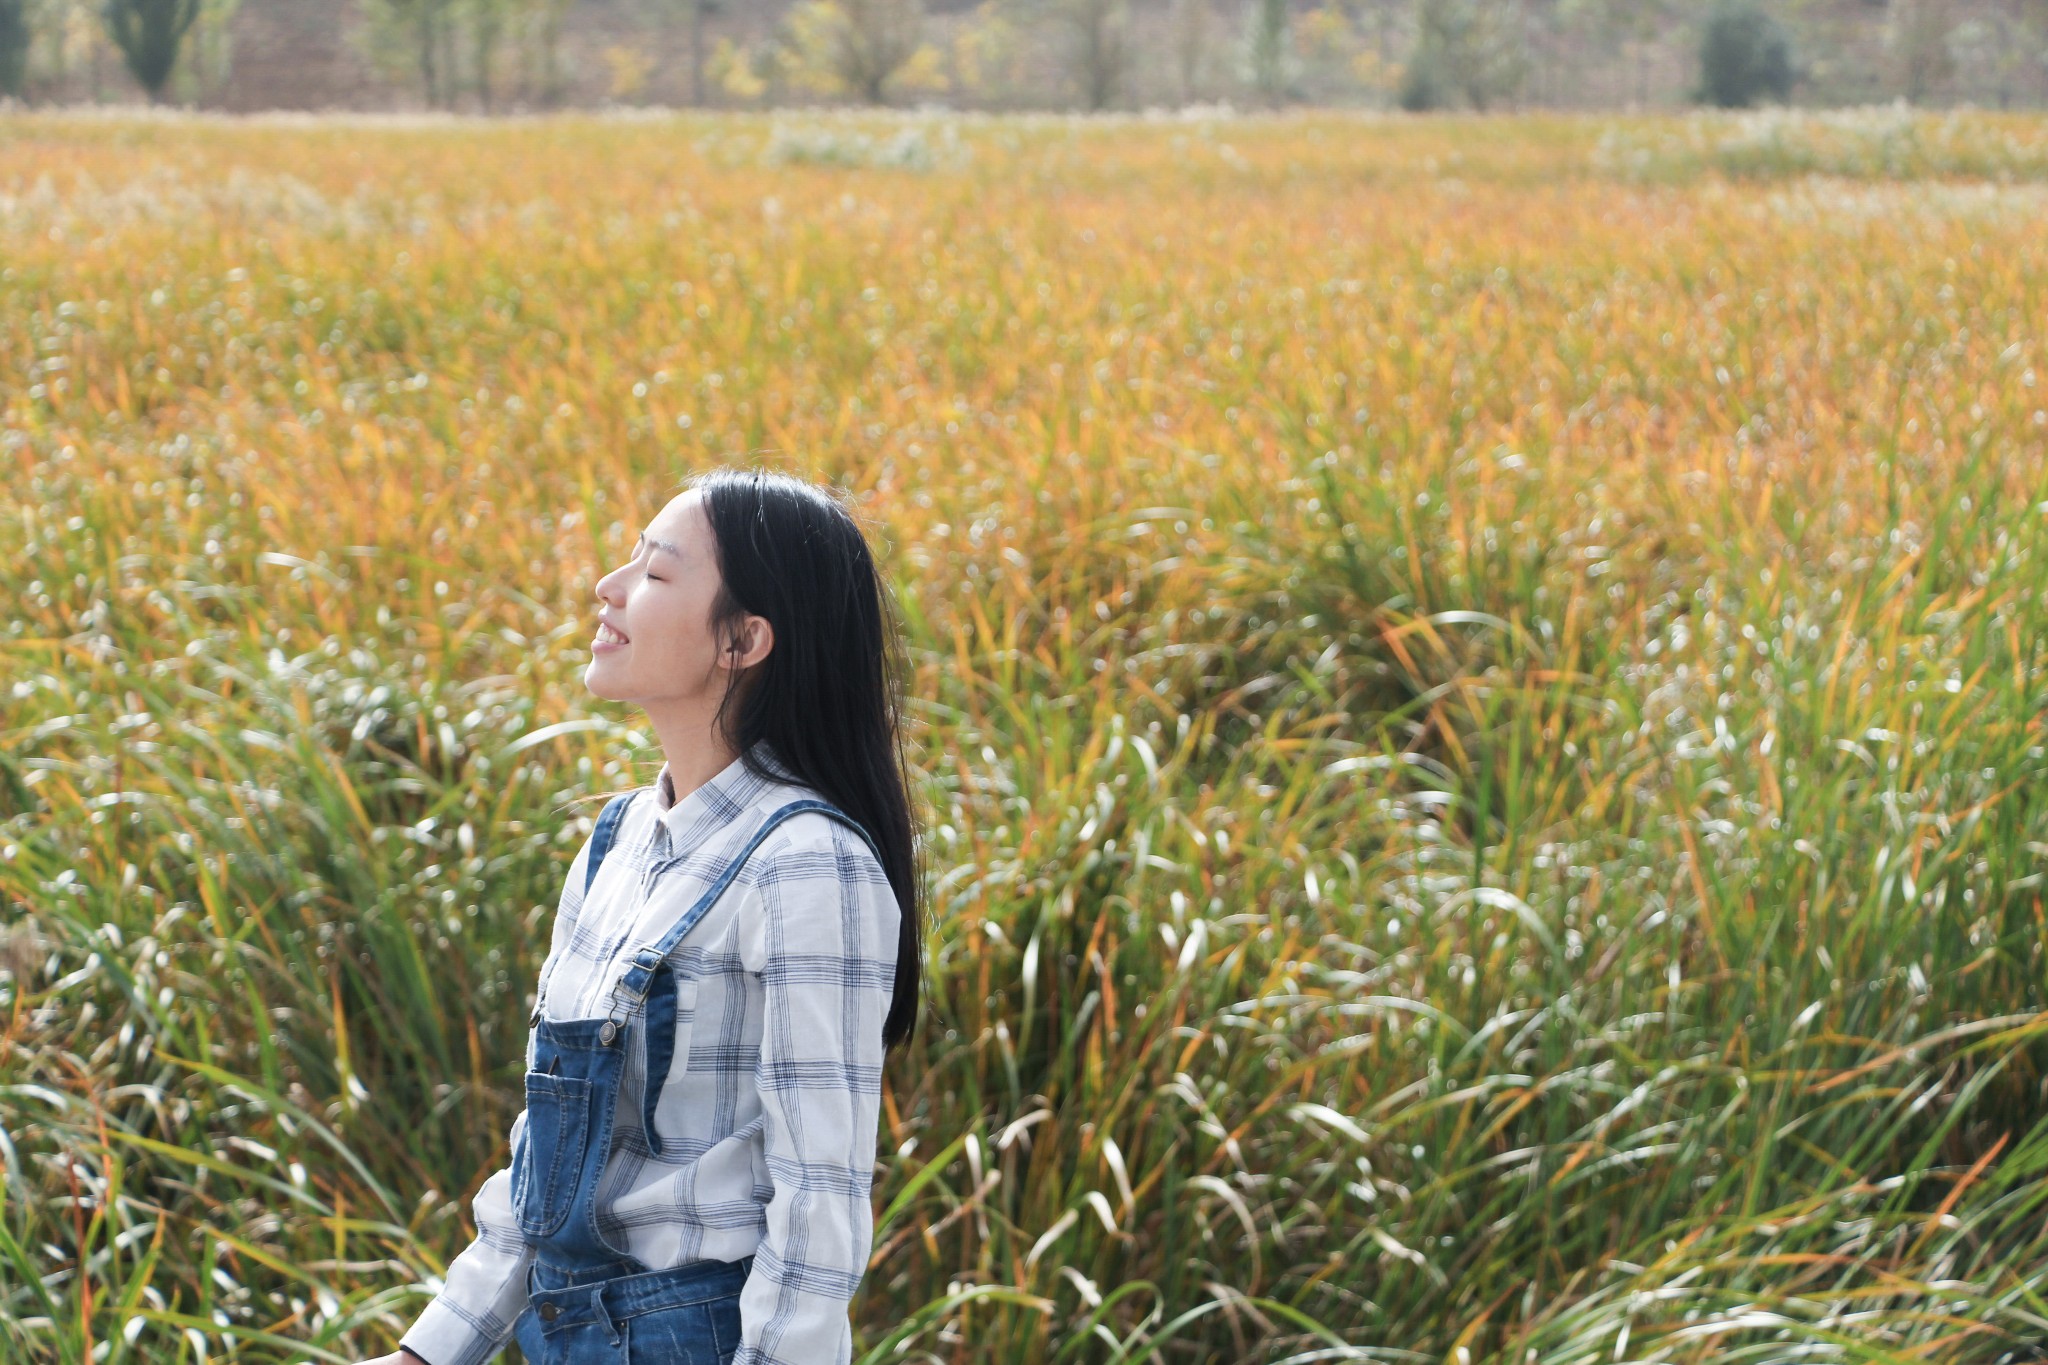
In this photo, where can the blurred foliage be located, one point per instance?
(1745, 56)
(1466, 52)
(1423, 55)
(149, 33)
(861, 48)
(14, 44)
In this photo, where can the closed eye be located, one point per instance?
(641, 544)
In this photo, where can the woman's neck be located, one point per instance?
(695, 765)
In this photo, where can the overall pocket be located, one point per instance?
(671, 1013)
(549, 1157)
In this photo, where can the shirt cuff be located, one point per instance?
(445, 1335)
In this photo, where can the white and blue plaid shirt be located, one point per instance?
(774, 1093)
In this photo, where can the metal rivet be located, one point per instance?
(608, 1032)
(549, 1312)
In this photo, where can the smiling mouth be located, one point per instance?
(607, 636)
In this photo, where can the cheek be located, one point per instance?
(667, 627)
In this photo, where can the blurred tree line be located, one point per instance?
(489, 55)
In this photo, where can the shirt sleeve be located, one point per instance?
(484, 1293)
(826, 955)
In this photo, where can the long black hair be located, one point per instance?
(828, 698)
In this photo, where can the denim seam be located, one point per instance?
(548, 1187)
(555, 1167)
(615, 1315)
(652, 1091)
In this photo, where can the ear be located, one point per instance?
(751, 643)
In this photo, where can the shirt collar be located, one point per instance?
(718, 802)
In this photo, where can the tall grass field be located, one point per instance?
(1477, 700)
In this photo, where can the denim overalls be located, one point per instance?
(588, 1303)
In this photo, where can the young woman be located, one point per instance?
(735, 948)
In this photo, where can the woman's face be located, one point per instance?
(659, 601)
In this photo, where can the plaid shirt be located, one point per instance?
(774, 1093)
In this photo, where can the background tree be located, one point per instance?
(14, 39)
(1917, 36)
(743, 71)
(1745, 55)
(487, 22)
(1383, 21)
(544, 78)
(852, 46)
(1424, 82)
(419, 34)
(629, 68)
(1469, 49)
(1327, 44)
(1097, 48)
(695, 15)
(1188, 26)
(483, 50)
(208, 51)
(148, 32)
(1269, 50)
(65, 39)
(1839, 47)
(989, 49)
(1993, 50)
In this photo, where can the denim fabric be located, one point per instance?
(571, 1089)
(587, 1305)
(620, 1313)
(557, 1113)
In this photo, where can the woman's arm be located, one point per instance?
(825, 949)
(402, 1356)
(469, 1321)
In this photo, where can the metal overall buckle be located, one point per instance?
(646, 958)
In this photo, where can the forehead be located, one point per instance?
(680, 524)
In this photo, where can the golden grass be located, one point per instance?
(1478, 684)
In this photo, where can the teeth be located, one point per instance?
(608, 635)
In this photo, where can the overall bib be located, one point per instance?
(590, 1304)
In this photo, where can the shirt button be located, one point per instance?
(549, 1312)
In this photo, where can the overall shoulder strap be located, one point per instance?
(826, 807)
(601, 839)
(600, 844)
(640, 975)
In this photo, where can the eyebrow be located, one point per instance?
(675, 550)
